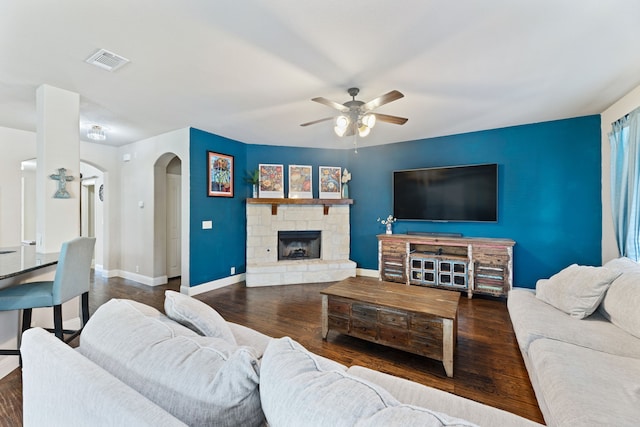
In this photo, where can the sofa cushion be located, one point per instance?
(621, 304)
(298, 388)
(412, 393)
(533, 319)
(250, 338)
(200, 380)
(583, 387)
(623, 265)
(577, 290)
(196, 316)
(54, 374)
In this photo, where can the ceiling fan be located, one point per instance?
(357, 117)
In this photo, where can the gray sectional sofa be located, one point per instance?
(136, 366)
(579, 334)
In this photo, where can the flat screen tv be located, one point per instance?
(455, 193)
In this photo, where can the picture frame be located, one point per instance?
(271, 181)
(300, 182)
(329, 182)
(219, 174)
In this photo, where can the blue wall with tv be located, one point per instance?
(549, 200)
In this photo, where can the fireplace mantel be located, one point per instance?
(276, 202)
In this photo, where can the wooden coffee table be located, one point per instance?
(416, 319)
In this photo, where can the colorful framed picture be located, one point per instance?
(219, 175)
(271, 181)
(300, 182)
(330, 181)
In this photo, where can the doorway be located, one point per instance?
(174, 217)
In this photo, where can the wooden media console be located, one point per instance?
(472, 264)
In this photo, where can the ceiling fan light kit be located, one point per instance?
(342, 123)
(356, 118)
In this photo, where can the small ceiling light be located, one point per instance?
(364, 131)
(96, 133)
(342, 124)
(369, 120)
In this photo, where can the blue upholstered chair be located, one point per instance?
(71, 280)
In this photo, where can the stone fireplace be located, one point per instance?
(313, 238)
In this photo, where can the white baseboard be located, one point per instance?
(367, 273)
(145, 280)
(210, 286)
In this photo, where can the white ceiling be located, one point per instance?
(247, 69)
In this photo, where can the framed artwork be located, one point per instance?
(330, 178)
(300, 182)
(219, 175)
(271, 181)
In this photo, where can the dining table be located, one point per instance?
(19, 264)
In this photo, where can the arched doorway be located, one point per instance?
(168, 216)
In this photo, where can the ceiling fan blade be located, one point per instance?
(317, 121)
(383, 99)
(330, 103)
(390, 119)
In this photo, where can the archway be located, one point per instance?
(167, 216)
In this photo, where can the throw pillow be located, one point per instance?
(197, 316)
(200, 380)
(621, 304)
(298, 388)
(577, 290)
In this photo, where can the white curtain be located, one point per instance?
(625, 183)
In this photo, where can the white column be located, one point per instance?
(58, 146)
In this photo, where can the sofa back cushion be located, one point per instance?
(197, 316)
(298, 388)
(577, 290)
(621, 304)
(623, 265)
(200, 380)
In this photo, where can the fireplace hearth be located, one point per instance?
(299, 245)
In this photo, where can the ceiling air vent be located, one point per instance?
(107, 60)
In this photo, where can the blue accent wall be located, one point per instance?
(213, 252)
(549, 193)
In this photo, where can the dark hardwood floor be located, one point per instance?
(488, 366)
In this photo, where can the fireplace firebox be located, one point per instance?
(299, 245)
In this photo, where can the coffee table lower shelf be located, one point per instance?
(372, 310)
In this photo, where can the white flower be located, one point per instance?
(346, 176)
(390, 220)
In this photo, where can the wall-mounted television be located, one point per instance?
(453, 193)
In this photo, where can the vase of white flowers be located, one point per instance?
(346, 177)
(388, 223)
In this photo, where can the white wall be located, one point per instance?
(625, 105)
(15, 146)
(138, 243)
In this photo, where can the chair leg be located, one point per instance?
(57, 321)
(85, 308)
(26, 319)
